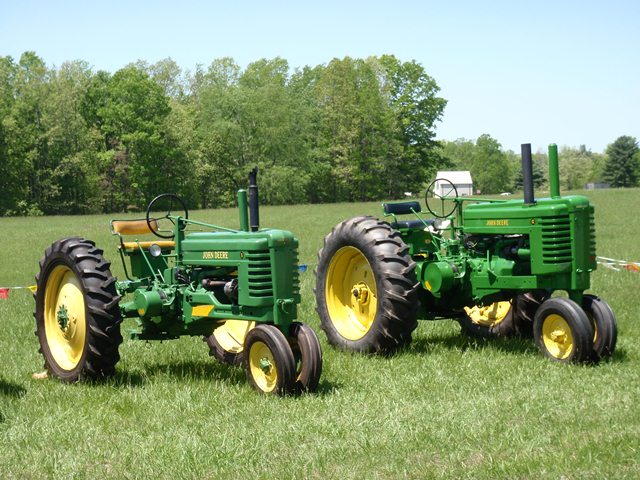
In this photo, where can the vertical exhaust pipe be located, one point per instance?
(554, 175)
(527, 174)
(254, 214)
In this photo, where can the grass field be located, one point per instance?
(446, 407)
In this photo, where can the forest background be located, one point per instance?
(75, 141)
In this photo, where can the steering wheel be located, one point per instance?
(441, 195)
(164, 200)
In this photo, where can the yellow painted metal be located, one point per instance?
(557, 336)
(263, 367)
(230, 336)
(63, 299)
(350, 293)
(146, 245)
(201, 310)
(489, 315)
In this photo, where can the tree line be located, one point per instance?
(77, 141)
(74, 140)
(495, 170)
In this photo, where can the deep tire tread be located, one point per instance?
(396, 284)
(102, 315)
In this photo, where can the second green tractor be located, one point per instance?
(492, 264)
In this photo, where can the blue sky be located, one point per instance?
(566, 72)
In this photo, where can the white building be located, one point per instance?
(461, 179)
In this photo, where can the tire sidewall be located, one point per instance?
(345, 236)
(55, 259)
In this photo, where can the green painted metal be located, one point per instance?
(494, 249)
(554, 175)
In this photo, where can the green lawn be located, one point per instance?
(446, 407)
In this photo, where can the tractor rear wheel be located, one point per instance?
(605, 326)
(494, 320)
(503, 319)
(269, 361)
(562, 331)
(307, 355)
(226, 343)
(366, 287)
(77, 314)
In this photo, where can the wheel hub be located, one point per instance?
(63, 317)
(558, 336)
(265, 365)
(360, 292)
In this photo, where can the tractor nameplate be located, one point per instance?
(219, 255)
(498, 223)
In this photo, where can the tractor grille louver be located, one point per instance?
(260, 281)
(592, 235)
(295, 276)
(556, 239)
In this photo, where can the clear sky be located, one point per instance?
(522, 71)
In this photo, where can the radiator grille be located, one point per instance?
(260, 281)
(556, 239)
(592, 235)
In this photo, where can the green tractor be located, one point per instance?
(238, 289)
(492, 265)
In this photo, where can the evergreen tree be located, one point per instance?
(621, 167)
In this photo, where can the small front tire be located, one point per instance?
(562, 331)
(269, 362)
(605, 326)
(308, 357)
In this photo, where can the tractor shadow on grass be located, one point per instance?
(517, 345)
(198, 370)
(461, 342)
(10, 389)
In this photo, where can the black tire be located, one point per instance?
(495, 320)
(307, 355)
(562, 331)
(226, 343)
(385, 308)
(269, 362)
(77, 314)
(525, 307)
(604, 324)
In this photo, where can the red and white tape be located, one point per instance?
(618, 265)
(4, 291)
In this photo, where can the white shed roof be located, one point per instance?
(456, 177)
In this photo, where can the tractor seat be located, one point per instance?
(412, 223)
(138, 227)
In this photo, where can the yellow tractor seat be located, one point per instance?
(138, 227)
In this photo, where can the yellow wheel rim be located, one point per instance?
(557, 336)
(263, 367)
(231, 335)
(490, 315)
(350, 293)
(64, 317)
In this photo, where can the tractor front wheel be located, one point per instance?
(308, 356)
(366, 287)
(562, 331)
(605, 326)
(77, 314)
(269, 361)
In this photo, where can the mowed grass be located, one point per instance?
(446, 407)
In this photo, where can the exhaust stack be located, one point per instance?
(254, 214)
(554, 175)
(527, 174)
